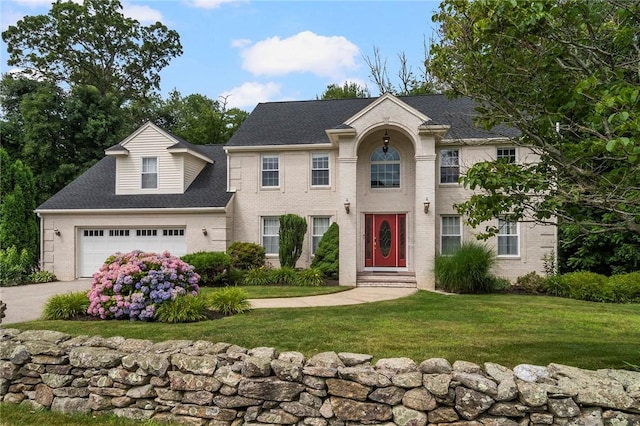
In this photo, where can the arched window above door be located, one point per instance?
(385, 168)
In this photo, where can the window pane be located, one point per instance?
(320, 169)
(270, 171)
(270, 237)
(319, 227)
(449, 166)
(149, 175)
(451, 234)
(508, 238)
(506, 154)
(385, 169)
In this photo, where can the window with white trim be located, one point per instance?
(508, 238)
(149, 175)
(506, 154)
(319, 169)
(450, 234)
(319, 225)
(449, 165)
(385, 168)
(270, 234)
(270, 171)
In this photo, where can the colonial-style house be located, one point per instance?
(385, 169)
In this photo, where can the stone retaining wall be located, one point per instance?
(205, 383)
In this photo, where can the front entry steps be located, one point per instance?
(386, 279)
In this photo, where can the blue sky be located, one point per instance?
(260, 51)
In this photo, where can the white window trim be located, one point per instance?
(398, 162)
(313, 218)
(515, 152)
(328, 169)
(142, 173)
(262, 234)
(262, 170)
(517, 234)
(440, 157)
(450, 235)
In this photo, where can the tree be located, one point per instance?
(94, 44)
(346, 91)
(197, 118)
(291, 236)
(18, 223)
(565, 74)
(408, 82)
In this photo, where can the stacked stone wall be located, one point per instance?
(205, 383)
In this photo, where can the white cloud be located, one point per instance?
(304, 52)
(240, 43)
(143, 14)
(210, 4)
(251, 93)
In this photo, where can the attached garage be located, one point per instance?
(96, 244)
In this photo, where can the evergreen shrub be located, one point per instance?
(466, 270)
(587, 286)
(291, 236)
(246, 256)
(212, 266)
(15, 266)
(532, 283)
(625, 287)
(326, 258)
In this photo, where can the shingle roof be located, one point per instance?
(95, 189)
(305, 122)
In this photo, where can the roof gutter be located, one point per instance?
(157, 210)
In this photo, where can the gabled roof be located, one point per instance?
(305, 122)
(95, 189)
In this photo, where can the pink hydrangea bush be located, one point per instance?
(132, 285)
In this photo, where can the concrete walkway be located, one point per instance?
(25, 303)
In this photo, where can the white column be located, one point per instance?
(348, 222)
(425, 223)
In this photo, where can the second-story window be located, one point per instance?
(506, 154)
(149, 178)
(385, 168)
(320, 169)
(449, 165)
(270, 171)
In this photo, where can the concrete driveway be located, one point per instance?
(25, 302)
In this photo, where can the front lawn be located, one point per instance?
(506, 329)
(267, 292)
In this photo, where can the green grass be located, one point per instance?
(17, 415)
(506, 329)
(266, 292)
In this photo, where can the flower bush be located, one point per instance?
(132, 285)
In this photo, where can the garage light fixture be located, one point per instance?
(204, 231)
(56, 231)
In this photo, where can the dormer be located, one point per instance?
(153, 161)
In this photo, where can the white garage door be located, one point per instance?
(96, 244)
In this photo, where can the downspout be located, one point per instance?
(41, 241)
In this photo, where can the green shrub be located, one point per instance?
(291, 236)
(499, 284)
(257, 277)
(311, 277)
(230, 300)
(625, 288)
(183, 309)
(587, 286)
(555, 286)
(212, 266)
(42, 277)
(66, 306)
(466, 270)
(15, 266)
(283, 276)
(246, 256)
(531, 283)
(326, 258)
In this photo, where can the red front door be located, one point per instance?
(385, 240)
